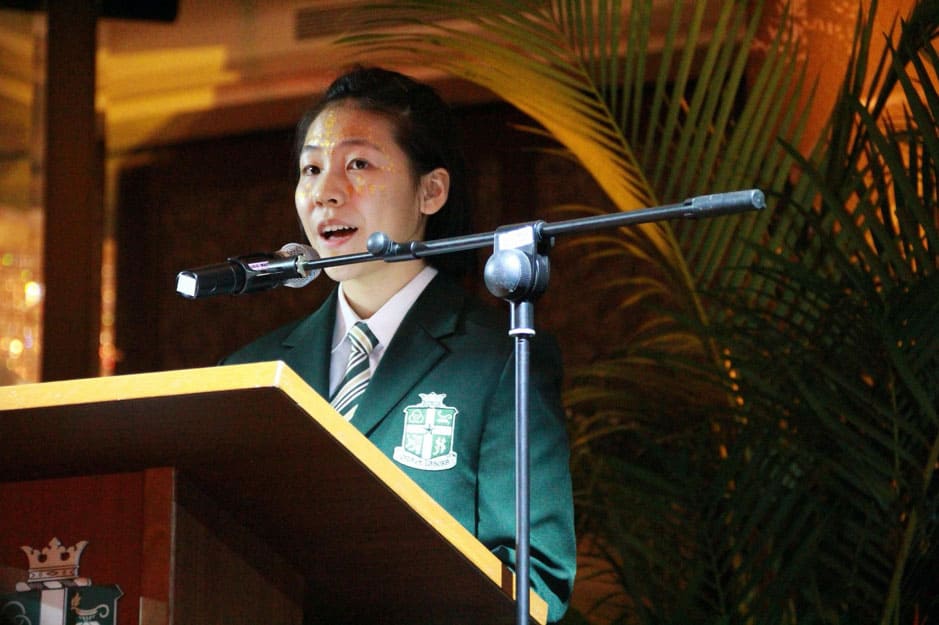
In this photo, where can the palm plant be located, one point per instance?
(762, 448)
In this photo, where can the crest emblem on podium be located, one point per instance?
(427, 440)
(54, 594)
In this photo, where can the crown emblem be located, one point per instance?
(54, 562)
(432, 400)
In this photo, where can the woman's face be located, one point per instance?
(356, 180)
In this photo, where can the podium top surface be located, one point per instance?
(273, 453)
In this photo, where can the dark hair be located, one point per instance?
(425, 130)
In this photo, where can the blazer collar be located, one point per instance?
(310, 346)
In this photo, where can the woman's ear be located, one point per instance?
(435, 189)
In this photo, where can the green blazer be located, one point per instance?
(451, 369)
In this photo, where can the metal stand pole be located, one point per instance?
(518, 273)
(523, 333)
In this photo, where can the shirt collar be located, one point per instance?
(386, 320)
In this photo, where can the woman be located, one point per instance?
(379, 154)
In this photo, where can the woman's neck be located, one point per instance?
(369, 293)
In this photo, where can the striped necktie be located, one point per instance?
(346, 398)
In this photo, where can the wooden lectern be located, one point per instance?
(234, 495)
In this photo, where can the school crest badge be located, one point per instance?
(54, 594)
(427, 441)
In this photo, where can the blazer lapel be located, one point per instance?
(415, 349)
(310, 346)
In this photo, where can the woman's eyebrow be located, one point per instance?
(353, 142)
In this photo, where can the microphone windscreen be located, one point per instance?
(305, 253)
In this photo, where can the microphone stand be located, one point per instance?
(518, 272)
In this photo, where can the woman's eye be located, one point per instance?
(358, 163)
(310, 170)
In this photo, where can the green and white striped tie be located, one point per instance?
(346, 398)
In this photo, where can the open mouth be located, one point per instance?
(337, 232)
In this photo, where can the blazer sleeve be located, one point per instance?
(552, 541)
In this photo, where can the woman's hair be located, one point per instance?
(424, 128)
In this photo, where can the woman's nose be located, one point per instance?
(330, 190)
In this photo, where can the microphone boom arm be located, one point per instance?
(381, 246)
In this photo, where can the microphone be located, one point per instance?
(250, 273)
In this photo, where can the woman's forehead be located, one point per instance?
(343, 123)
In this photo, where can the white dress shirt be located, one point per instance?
(383, 324)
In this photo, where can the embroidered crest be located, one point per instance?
(54, 593)
(427, 441)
